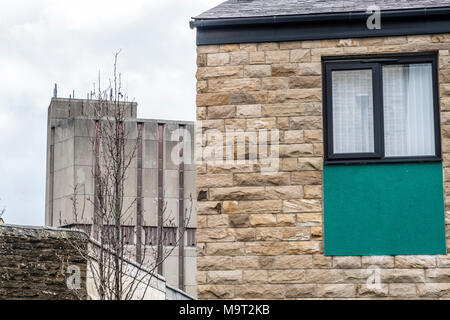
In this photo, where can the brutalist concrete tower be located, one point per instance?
(159, 187)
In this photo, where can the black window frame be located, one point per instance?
(376, 63)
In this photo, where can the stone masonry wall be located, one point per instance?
(32, 261)
(260, 236)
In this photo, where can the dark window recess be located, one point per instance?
(169, 236)
(190, 235)
(128, 235)
(381, 109)
(108, 232)
(151, 236)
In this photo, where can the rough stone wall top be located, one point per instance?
(260, 8)
(32, 262)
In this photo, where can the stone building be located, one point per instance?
(356, 102)
(158, 191)
(47, 264)
(33, 262)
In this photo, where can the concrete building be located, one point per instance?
(358, 100)
(158, 187)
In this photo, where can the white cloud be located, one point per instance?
(68, 42)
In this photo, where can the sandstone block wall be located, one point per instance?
(34, 263)
(261, 236)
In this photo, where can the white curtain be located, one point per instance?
(408, 110)
(352, 111)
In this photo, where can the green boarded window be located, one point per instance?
(384, 209)
(383, 183)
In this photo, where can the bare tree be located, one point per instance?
(2, 212)
(118, 274)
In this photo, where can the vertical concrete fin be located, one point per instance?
(160, 196)
(181, 212)
(139, 196)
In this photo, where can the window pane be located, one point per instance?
(353, 111)
(408, 110)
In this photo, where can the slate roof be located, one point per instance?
(263, 8)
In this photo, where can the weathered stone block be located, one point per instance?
(284, 192)
(209, 263)
(296, 150)
(304, 205)
(224, 277)
(225, 249)
(305, 82)
(283, 276)
(246, 262)
(347, 262)
(287, 262)
(403, 290)
(262, 206)
(248, 111)
(275, 83)
(259, 291)
(405, 262)
(301, 55)
(438, 275)
(263, 220)
(313, 192)
(221, 112)
(279, 56)
(266, 248)
(218, 59)
(380, 261)
(257, 71)
(233, 85)
(300, 291)
(215, 292)
(433, 290)
(255, 276)
(212, 99)
(336, 290)
(402, 276)
(372, 290)
(257, 179)
(230, 207)
(220, 72)
(304, 247)
(307, 178)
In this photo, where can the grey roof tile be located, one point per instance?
(262, 8)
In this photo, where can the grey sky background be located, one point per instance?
(68, 42)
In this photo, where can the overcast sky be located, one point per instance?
(68, 42)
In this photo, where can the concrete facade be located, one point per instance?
(261, 236)
(70, 165)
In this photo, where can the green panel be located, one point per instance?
(384, 209)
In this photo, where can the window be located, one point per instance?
(169, 236)
(190, 235)
(382, 109)
(151, 236)
(128, 235)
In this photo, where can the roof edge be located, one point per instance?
(317, 26)
(332, 16)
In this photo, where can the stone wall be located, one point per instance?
(71, 162)
(34, 263)
(261, 236)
